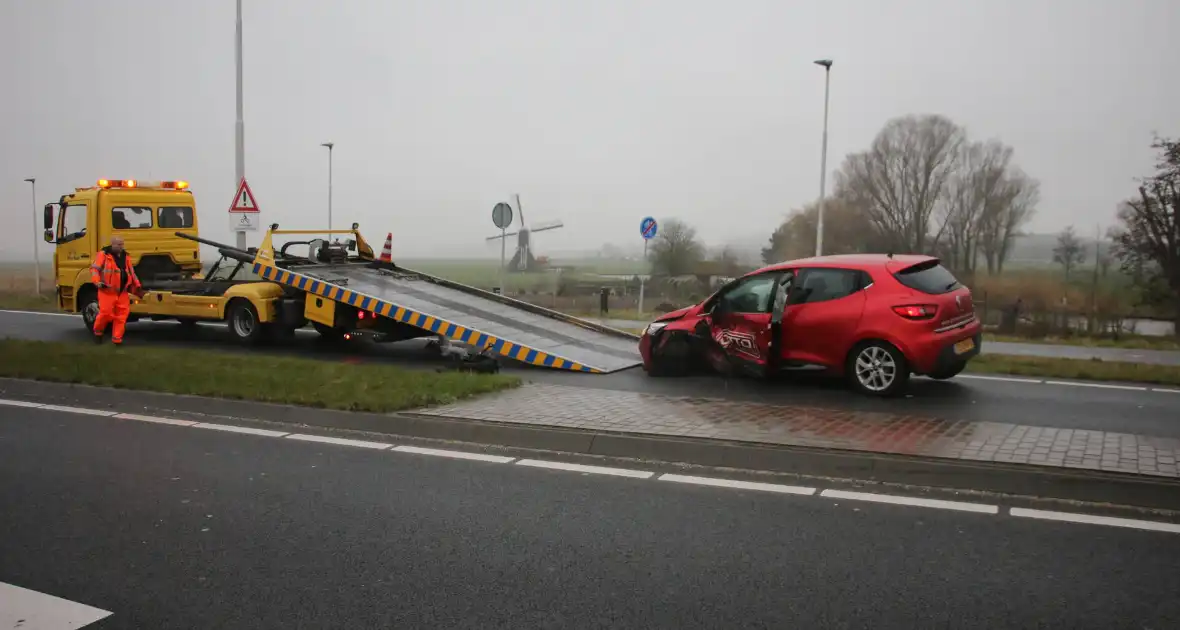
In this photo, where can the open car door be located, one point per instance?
(741, 332)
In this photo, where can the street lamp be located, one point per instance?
(329, 145)
(36, 254)
(823, 160)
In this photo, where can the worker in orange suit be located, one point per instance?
(115, 278)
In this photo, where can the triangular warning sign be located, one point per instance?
(244, 199)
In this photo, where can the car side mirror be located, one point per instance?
(48, 216)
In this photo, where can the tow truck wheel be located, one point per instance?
(243, 322)
(88, 305)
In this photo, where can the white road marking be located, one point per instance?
(911, 501)
(1006, 379)
(1155, 526)
(737, 485)
(1165, 390)
(30, 610)
(482, 457)
(89, 412)
(341, 441)
(50, 313)
(597, 470)
(155, 419)
(1133, 388)
(233, 429)
(20, 403)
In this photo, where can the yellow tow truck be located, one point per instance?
(158, 224)
(340, 287)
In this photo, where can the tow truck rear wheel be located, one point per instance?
(243, 322)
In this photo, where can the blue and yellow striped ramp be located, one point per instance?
(425, 321)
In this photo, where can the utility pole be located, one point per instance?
(823, 160)
(36, 237)
(240, 125)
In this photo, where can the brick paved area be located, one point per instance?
(632, 412)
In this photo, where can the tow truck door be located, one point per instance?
(740, 324)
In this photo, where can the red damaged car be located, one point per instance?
(873, 318)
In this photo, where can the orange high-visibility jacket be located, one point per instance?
(106, 270)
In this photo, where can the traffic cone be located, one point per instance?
(387, 251)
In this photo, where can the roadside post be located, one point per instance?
(243, 212)
(647, 229)
(502, 218)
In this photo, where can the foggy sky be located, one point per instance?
(597, 113)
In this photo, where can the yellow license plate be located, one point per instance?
(965, 345)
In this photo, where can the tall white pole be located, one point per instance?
(643, 278)
(240, 125)
(823, 160)
(36, 238)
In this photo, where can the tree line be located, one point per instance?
(922, 186)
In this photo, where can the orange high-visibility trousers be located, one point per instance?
(113, 308)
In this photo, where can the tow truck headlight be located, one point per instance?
(654, 328)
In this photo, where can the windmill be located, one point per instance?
(522, 258)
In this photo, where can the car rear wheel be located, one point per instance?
(877, 368)
(950, 372)
(88, 305)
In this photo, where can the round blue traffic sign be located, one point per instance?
(647, 228)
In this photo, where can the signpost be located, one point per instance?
(502, 218)
(244, 213)
(647, 229)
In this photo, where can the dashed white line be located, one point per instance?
(233, 429)
(1166, 391)
(1006, 379)
(89, 412)
(1133, 388)
(595, 470)
(481, 457)
(1087, 519)
(155, 419)
(20, 403)
(911, 501)
(737, 485)
(340, 441)
(50, 313)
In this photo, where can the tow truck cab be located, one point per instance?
(146, 214)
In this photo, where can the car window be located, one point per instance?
(928, 277)
(131, 218)
(753, 295)
(823, 285)
(176, 217)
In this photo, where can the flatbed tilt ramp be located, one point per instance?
(513, 329)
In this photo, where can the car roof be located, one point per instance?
(858, 261)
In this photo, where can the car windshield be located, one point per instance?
(928, 277)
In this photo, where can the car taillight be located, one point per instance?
(916, 311)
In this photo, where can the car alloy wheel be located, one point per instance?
(876, 370)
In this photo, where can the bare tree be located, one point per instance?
(847, 231)
(977, 185)
(1147, 241)
(675, 251)
(901, 179)
(1069, 252)
(1008, 209)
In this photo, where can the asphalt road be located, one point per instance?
(976, 399)
(173, 527)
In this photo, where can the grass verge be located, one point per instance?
(285, 380)
(26, 301)
(1130, 342)
(1081, 369)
